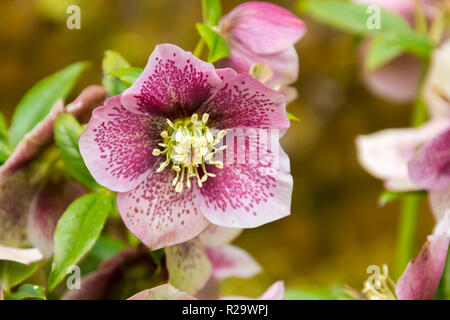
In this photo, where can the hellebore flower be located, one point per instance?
(261, 33)
(158, 146)
(398, 80)
(168, 292)
(206, 259)
(32, 216)
(385, 154)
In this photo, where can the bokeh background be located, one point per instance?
(336, 229)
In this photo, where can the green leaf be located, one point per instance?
(77, 232)
(106, 247)
(350, 17)
(13, 273)
(38, 101)
(29, 291)
(381, 51)
(127, 75)
(443, 292)
(113, 61)
(389, 196)
(212, 11)
(67, 131)
(5, 148)
(218, 48)
(354, 18)
(292, 117)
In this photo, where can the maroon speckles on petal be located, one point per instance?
(117, 145)
(243, 101)
(226, 199)
(158, 215)
(173, 83)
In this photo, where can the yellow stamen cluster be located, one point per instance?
(380, 288)
(189, 145)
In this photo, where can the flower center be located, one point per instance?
(189, 145)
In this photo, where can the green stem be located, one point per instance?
(407, 232)
(199, 48)
(408, 220)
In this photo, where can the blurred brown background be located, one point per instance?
(336, 228)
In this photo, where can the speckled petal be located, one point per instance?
(246, 194)
(243, 101)
(231, 261)
(173, 81)
(385, 154)
(24, 256)
(188, 265)
(164, 292)
(117, 146)
(158, 215)
(430, 167)
(423, 274)
(262, 27)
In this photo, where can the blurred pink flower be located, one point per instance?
(423, 274)
(385, 154)
(398, 80)
(261, 33)
(175, 96)
(23, 256)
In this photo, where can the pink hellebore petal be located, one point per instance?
(231, 261)
(137, 144)
(430, 166)
(23, 256)
(423, 274)
(437, 87)
(164, 292)
(275, 292)
(32, 142)
(385, 154)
